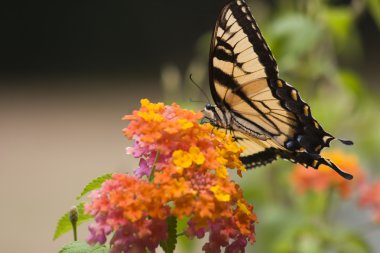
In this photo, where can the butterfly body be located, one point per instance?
(264, 113)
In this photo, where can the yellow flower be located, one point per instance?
(150, 116)
(222, 160)
(232, 147)
(185, 124)
(145, 103)
(196, 155)
(221, 172)
(219, 194)
(179, 170)
(182, 159)
(242, 207)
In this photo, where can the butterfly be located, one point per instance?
(265, 114)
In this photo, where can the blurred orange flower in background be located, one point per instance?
(370, 197)
(325, 178)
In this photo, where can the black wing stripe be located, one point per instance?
(247, 129)
(270, 114)
(277, 117)
(247, 49)
(223, 55)
(232, 35)
(227, 81)
(259, 45)
(245, 75)
(259, 159)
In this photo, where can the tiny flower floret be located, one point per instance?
(182, 159)
(219, 194)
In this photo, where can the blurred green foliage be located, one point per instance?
(317, 45)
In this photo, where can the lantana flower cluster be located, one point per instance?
(183, 172)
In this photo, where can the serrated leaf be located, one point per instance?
(83, 247)
(169, 245)
(94, 184)
(64, 224)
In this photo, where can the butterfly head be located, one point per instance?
(214, 115)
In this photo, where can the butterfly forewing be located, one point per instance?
(233, 59)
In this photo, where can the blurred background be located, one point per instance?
(69, 70)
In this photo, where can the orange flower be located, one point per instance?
(325, 178)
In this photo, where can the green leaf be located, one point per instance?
(293, 36)
(374, 8)
(169, 245)
(339, 20)
(352, 82)
(94, 184)
(83, 247)
(64, 224)
(186, 244)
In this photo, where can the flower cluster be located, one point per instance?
(183, 172)
(325, 178)
(122, 205)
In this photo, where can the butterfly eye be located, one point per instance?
(209, 107)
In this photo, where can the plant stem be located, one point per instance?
(151, 176)
(180, 234)
(75, 232)
(73, 215)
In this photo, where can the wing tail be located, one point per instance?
(314, 161)
(341, 172)
(346, 142)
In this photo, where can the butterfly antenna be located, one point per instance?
(196, 101)
(199, 87)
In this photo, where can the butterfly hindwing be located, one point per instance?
(259, 153)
